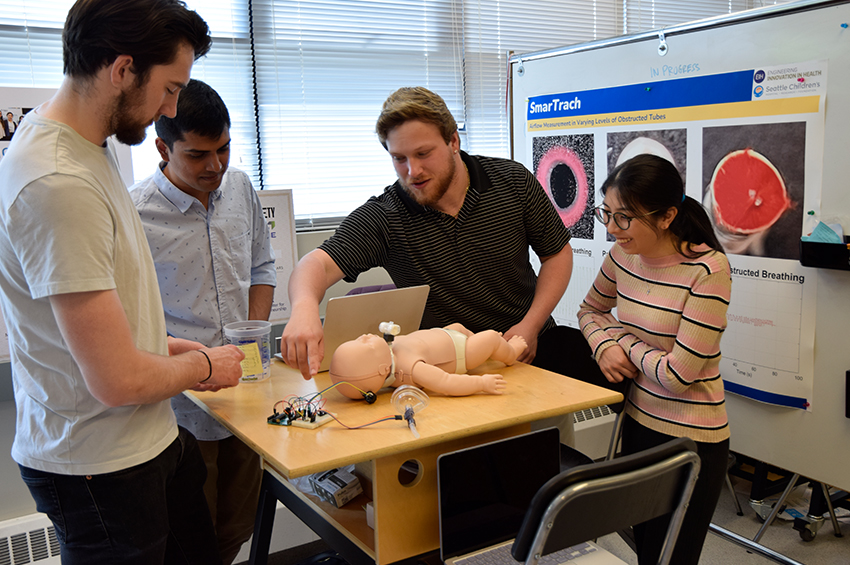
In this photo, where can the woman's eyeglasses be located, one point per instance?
(623, 222)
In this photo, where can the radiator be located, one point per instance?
(593, 428)
(31, 538)
(28, 539)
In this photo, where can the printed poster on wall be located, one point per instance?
(277, 209)
(749, 145)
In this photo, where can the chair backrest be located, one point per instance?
(593, 500)
(617, 432)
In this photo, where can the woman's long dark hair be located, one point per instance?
(648, 182)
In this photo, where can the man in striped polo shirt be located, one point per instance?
(459, 223)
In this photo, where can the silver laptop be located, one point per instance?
(349, 317)
(484, 493)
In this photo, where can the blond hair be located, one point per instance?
(414, 103)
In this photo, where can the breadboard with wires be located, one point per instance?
(308, 411)
(300, 411)
(321, 419)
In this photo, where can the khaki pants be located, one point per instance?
(232, 490)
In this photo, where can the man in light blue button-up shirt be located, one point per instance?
(215, 265)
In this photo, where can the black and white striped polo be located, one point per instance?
(477, 264)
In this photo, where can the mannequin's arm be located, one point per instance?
(436, 379)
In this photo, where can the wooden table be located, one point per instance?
(405, 504)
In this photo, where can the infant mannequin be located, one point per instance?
(435, 359)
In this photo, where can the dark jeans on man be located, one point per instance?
(148, 514)
(564, 350)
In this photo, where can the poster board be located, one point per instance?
(773, 80)
(278, 211)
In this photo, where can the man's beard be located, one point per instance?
(126, 128)
(442, 184)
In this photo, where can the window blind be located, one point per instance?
(323, 70)
(493, 28)
(645, 15)
(304, 80)
(31, 56)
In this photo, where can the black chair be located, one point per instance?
(617, 432)
(589, 501)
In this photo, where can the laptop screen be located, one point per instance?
(484, 491)
(348, 317)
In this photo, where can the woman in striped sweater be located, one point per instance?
(670, 281)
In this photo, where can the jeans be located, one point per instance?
(148, 514)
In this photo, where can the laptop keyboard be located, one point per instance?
(501, 555)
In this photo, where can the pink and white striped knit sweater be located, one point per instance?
(671, 314)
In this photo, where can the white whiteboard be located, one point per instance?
(807, 34)
(277, 209)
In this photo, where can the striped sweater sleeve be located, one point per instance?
(600, 300)
(696, 351)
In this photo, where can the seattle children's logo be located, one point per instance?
(758, 91)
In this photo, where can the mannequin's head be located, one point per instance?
(364, 362)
